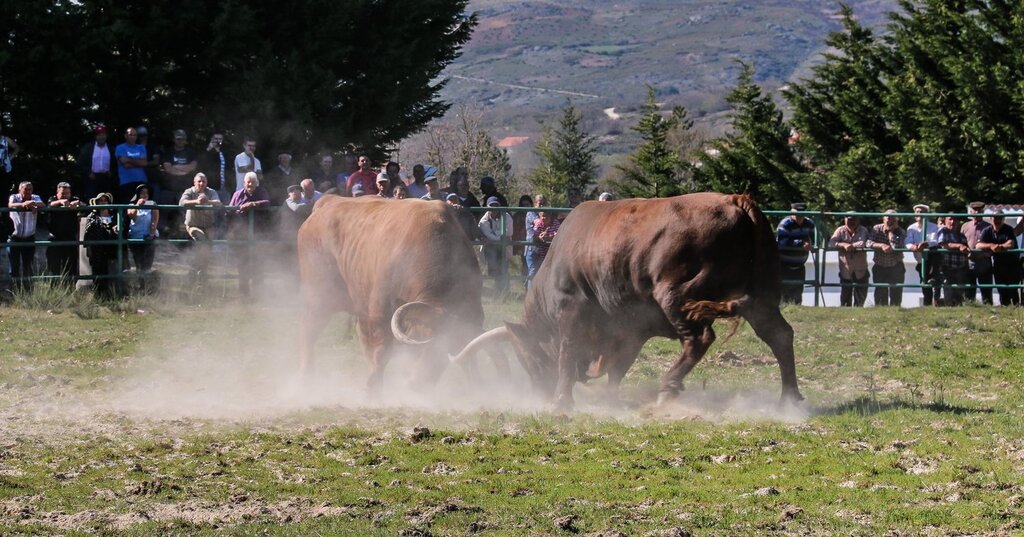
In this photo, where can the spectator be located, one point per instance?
(466, 198)
(433, 189)
(999, 238)
(489, 190)
(199, 222)
(920, 239)
(96, 165)
(100, 226)
(888, 240)
(179, 164)
(605, 196)
(246, 162)
(392, 172)
(545, 228)
(294, 212)
(363, 176)
(8, 150)
(325, 173)
(278, 179)
(63, 260)
(131, 163)
(418, 187)
(795, 237)
(310, 194)
(954, 260)
(153, 153)
(357, 190)
(453, 178)
(143, 222)
(496, 227)
(351, 165)
(214, 165)
(465, 218)
(979, 263)
(382, 186)
(849, 239)
(531, 218)
(519, 231)
(21, 247)
(250, 224)
(401, 192)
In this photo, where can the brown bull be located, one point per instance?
(403, 269)
(619, 273)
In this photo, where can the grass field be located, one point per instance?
(164, 415)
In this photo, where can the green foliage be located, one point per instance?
(483, 158)
(931, 112)
(755, 158)
(306, 76)
(655, 169)
(567, 158)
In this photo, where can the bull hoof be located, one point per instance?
(562, 405)
(666, 397)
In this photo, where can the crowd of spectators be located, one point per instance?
(955, 261)
(177, 192)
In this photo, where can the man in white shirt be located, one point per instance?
(246, 162)
(21, 248)
(920, 237)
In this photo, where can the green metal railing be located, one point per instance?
(824, 222)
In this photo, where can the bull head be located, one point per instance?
(539, 363)
(415, 323)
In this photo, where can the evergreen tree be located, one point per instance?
(655, 169)
(483, 158)
(567, 158)
(755, 158)
(305, 75)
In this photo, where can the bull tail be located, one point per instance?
(702, 310)
(765, 281)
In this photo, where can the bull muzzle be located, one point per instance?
(413, 323)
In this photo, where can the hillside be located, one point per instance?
(527, 58)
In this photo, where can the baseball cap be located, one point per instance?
(493, 202)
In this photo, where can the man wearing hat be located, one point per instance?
(979, 264)
(850, 239)
(888, 240)
(955, 252)
(382, 185)
(97, 164)
(496, 227)
(921, 237)
(795, 237)
(433, 189)
(63, 260)
(999, 238)
(178, 166)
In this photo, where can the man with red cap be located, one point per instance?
(97, 166)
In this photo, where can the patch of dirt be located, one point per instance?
(195, 513)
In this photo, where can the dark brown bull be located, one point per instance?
(404, 269)
(619, 273)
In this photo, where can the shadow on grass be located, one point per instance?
(867, 406)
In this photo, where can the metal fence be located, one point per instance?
(824, 223)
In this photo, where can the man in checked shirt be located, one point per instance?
(955, 250)
(888, 240)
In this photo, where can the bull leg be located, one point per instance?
(772, 328)
(569, 356)
(619, 363)
(696, 337)
(313, 322)
(378, 349)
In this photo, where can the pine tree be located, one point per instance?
(756, 157)
(655, 169)
(567, 158)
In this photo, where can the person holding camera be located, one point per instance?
(143, 221)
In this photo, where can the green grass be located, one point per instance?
(913, 424)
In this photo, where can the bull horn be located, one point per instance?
(398, 321)
(500, 333)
